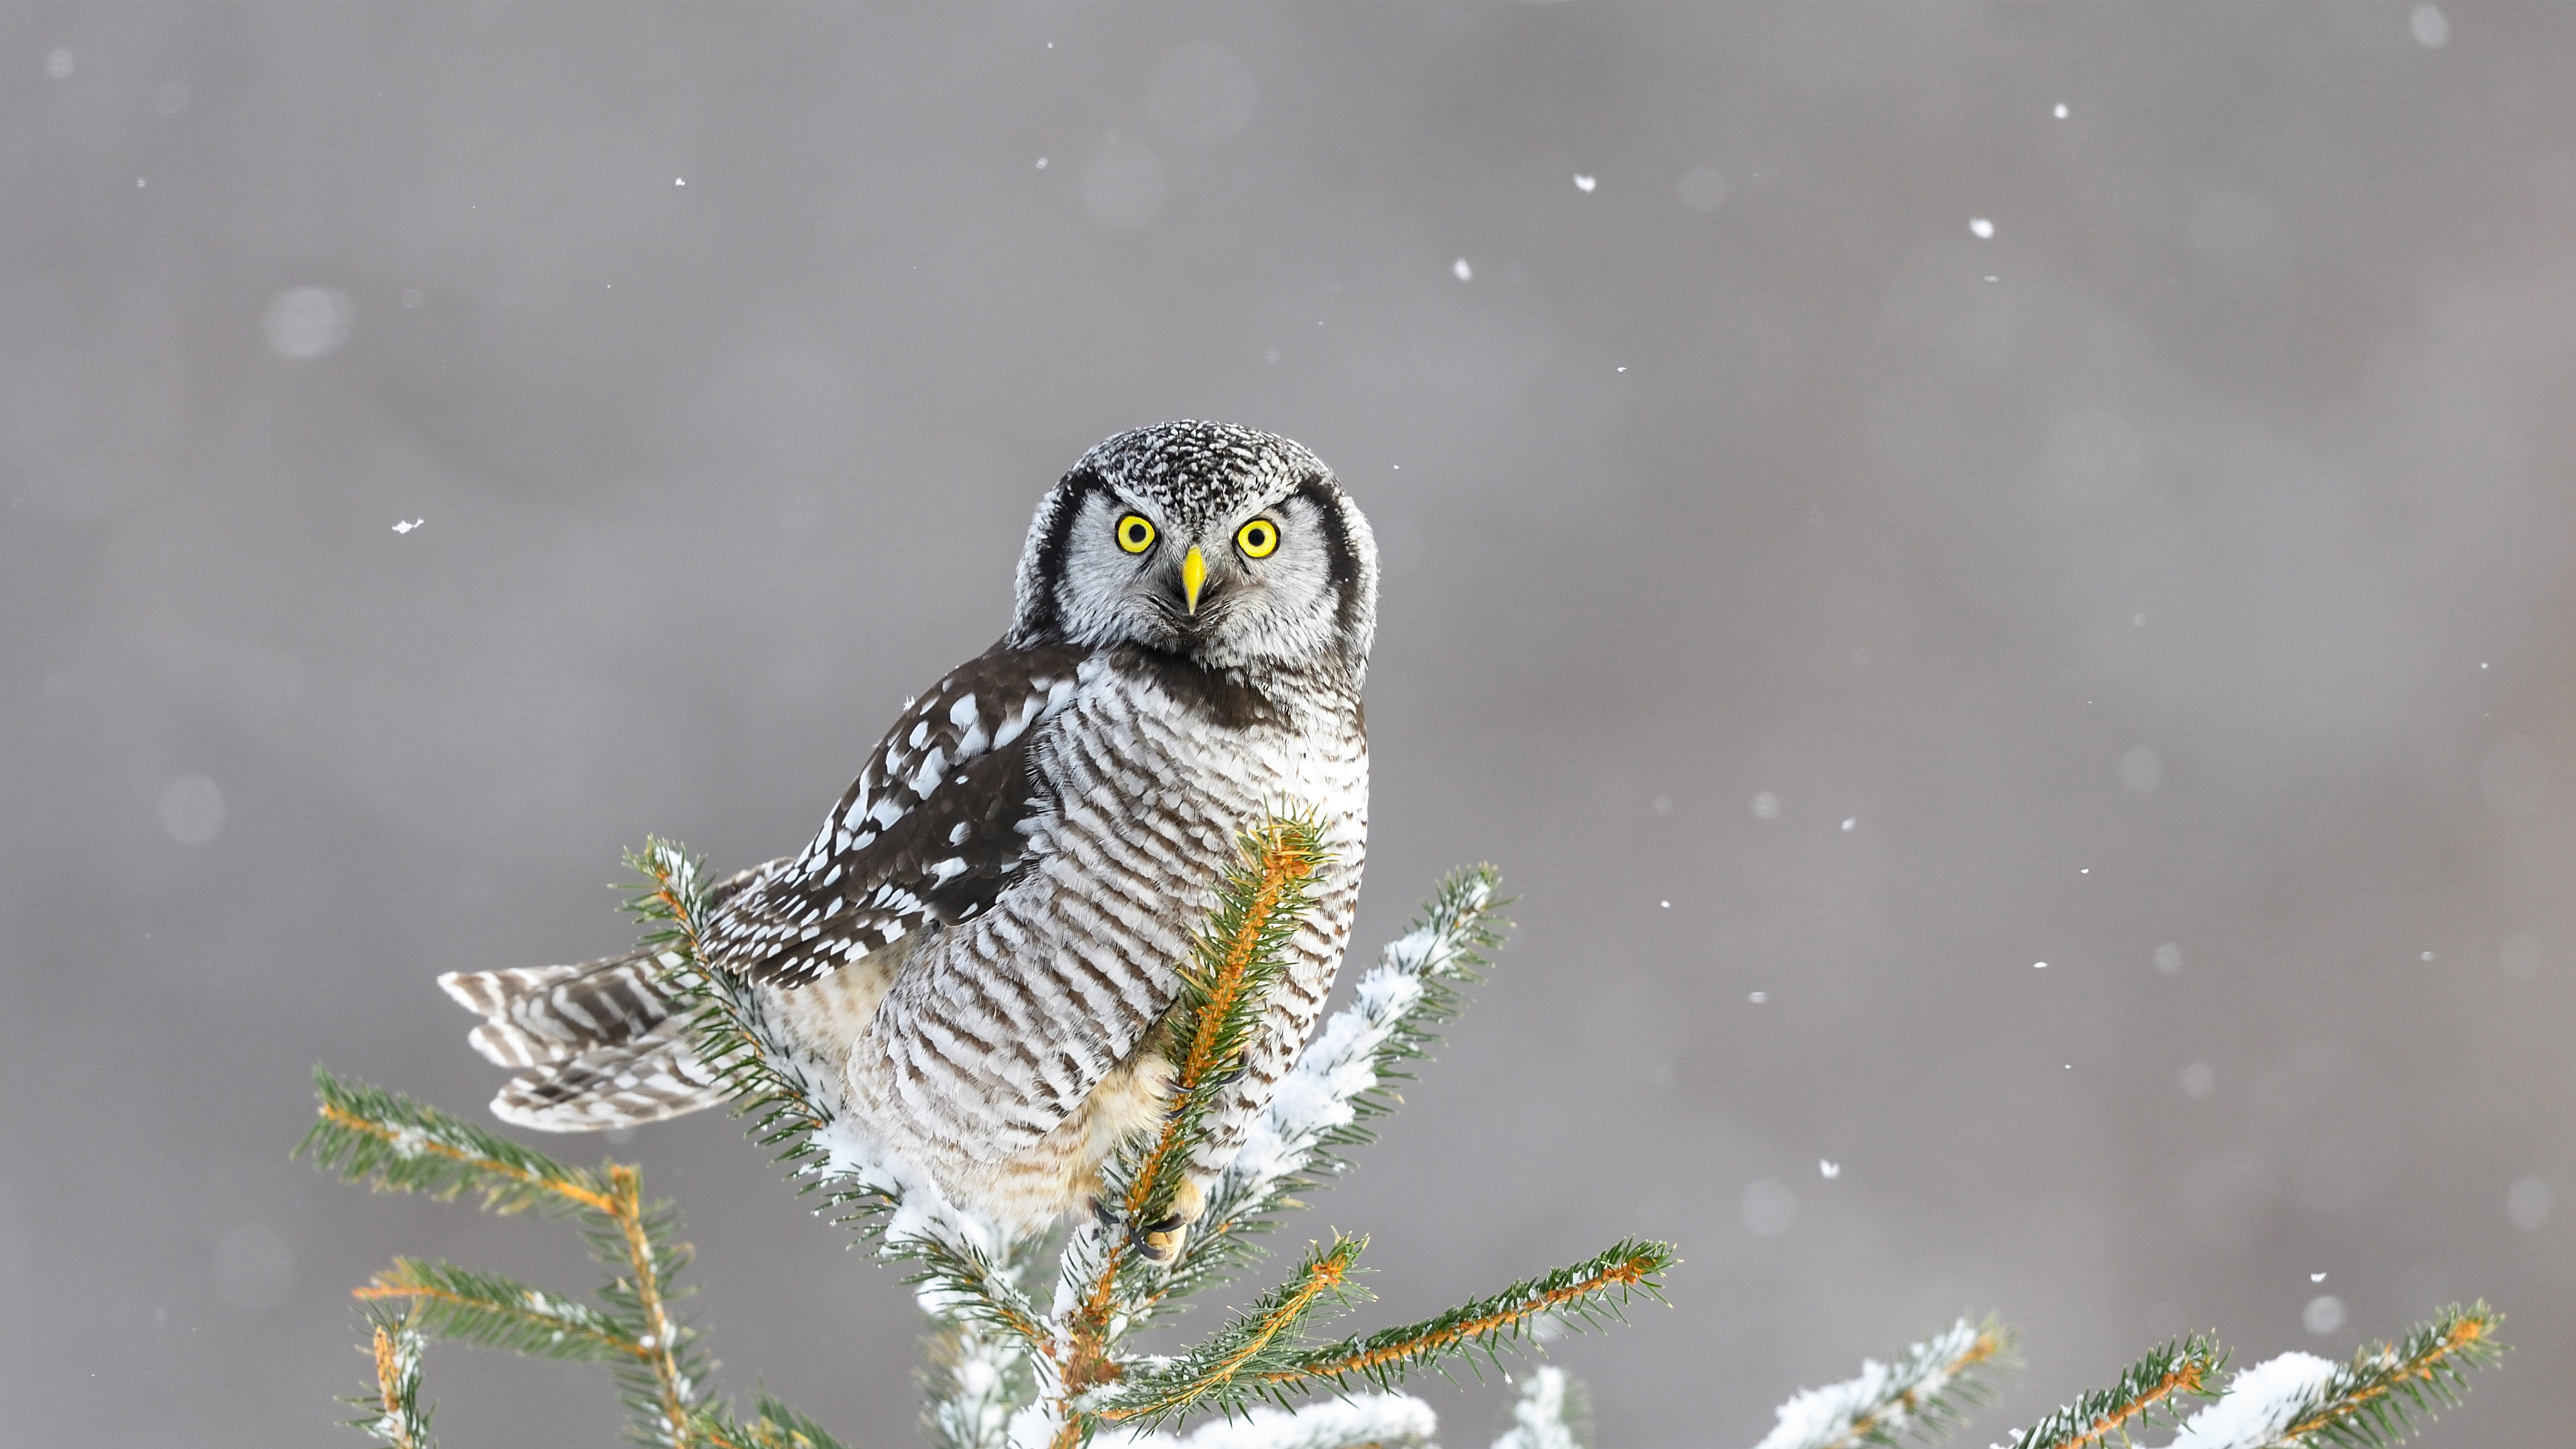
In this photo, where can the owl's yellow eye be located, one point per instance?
(1257, 539)
(1134, 534)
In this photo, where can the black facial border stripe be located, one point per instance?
(1076, 490)
(1343, 561)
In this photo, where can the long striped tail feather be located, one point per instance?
(598, 1045)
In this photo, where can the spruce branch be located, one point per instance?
(773, 1083)
(394, 1144)
(1361, 1421)
(392, 1413)
(729, 1024)
(773, 1425)
(660, 1389)
(1444, 948)
(1224, 992)
(486, 1310)
(2300, 1401)
(960, 1283)
(1241, 1361)
(1343, 1078)
(1923, 1394)
(1590, 1294)
(974, 1381)
(366, 1134)
(2155, 1386)
(1216, 1011)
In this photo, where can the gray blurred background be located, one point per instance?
(1873, 499)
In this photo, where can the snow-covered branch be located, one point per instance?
(2368, 1403)
(1923, 1394)
(1014, 1369)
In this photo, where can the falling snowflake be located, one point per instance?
(1462, 271)
(1981, 228)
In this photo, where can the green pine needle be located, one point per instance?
(1258, 1355)
(390, 1411)
(2373, 1401)
(394, 1144)
(773, 1425)
(1222, 1004)
(1240, 1362)
(732, 1033)
(972, 1288)
(487, 1310)
(1442, 950)
(1923, 1395)
(1587, 1295)
(1448, 945)
(2156, 1387)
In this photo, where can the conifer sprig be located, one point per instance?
(660, 1387)
(393, 1413)
(2300, 1401)
(366, 1134)
(391, 1143)
(973, 1381)
(773, 1425)
(1344, 1078)
(486, 1310)
(1224, 993)
(2156, 1387)
(959, 1282)
(1594, 1293)
(394, 1144)
(1923, 1394)
(1444, 949)
(1243, 1361)
(732, 1036)
(2371, 1402)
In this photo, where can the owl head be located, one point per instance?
(1219, 544)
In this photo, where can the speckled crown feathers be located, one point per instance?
(1196, 471)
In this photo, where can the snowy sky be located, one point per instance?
(1872, 499)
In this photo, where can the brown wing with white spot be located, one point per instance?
(927, 835)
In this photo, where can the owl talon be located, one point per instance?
(1161, 1241)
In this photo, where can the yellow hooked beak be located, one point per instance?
(1193, 574)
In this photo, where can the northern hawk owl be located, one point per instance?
(981, 940)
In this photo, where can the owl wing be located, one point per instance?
(929, 832)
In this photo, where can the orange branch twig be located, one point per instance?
(1627, 1273)
(596, 1202)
